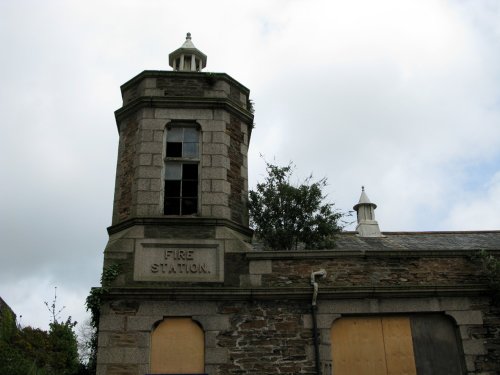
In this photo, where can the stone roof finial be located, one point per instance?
(367, 225)
(187, 57)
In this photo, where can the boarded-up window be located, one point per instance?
(178, 347)
(395, 345)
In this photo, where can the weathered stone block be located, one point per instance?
(142, 322)
(454, 303)
(213, 322)
(213, 125)
(123, 355)
(156, 185)
(260, 267)
(150, 147)
(145, 159)
(120, 245)
(183, 114)
(149, 172)
(220, 114)
(145, 113)
(408, 305)
(221, 137)
(112, 323)
(207, 137)
(220, 161)
(206, 161)
(215, 199)
(159, 136)
(211, 339)
(474, 347)
(216, 356)
(221, 186)
(206, 210)
(470, 362)
(176, 308)
(214, 173)
(143, 184)
(121, 369)
(158, 160)
(146, 135)
(147, 197)
(215, 149)
(467, 317)
(250, 280)
(325, 321)
(221, 211)
(237, 246)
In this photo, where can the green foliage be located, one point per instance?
(93, 304)
(284, 215)
(7, 325)
(63, 347)
(34, 351)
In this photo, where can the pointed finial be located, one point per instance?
(362, 188)
(188, 57)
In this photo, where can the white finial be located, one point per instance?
(367, 225)
(188, 57)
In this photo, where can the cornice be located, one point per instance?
(182, 103)
(179, 221)
(294, 293)
(170, 73)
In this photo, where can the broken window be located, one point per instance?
(181, 170)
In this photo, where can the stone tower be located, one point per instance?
(180, 217)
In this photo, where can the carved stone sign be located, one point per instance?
(170, 262)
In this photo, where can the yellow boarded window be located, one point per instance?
(178, 347)
(372, 346)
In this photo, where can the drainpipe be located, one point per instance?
(321, 273)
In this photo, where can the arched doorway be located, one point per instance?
(177, 347)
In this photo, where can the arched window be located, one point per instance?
(178, 347)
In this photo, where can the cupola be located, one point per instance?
(367, 225)
(187, 58)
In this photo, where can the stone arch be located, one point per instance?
(177, 347)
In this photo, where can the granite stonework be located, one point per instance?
(254, 306)
(264, 326)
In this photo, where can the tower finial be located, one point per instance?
(188, 57)
(362, 188)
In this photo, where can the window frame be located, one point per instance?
(182, 160)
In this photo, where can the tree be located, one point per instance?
(33, 351)
(63, 347)
(284, 215)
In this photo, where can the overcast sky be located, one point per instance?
(400, 96)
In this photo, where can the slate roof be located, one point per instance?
(477, 240)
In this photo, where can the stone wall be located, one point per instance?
(375, 271)
(259, 320)
(218, 106)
